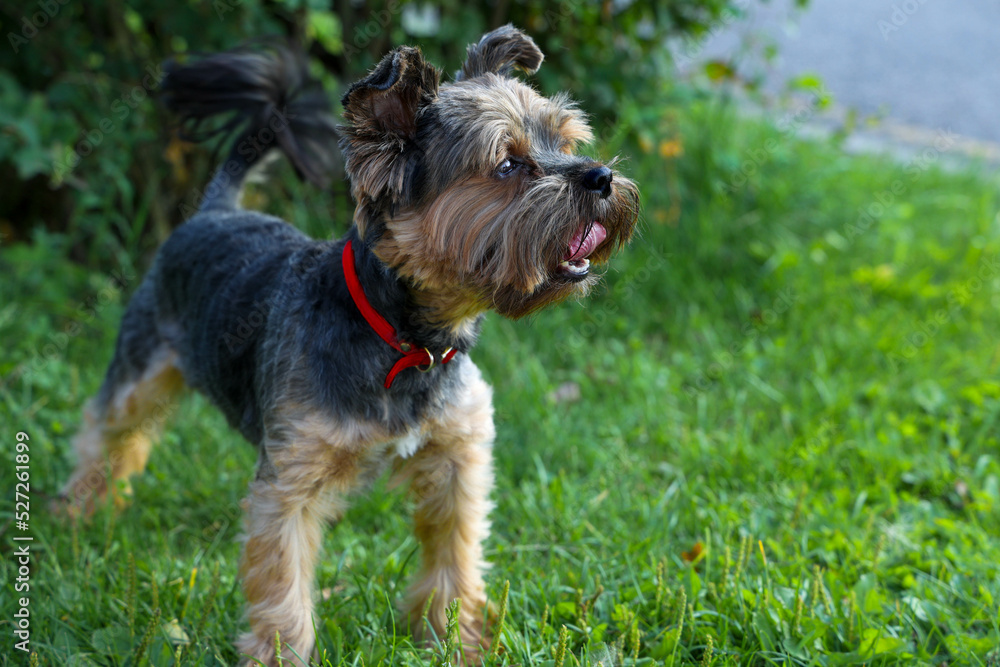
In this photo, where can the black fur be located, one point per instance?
(250, 304)
(499, 52)
(246, 300)
(272, 102)
(467, 196)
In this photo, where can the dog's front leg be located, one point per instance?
(451, 478)
(302, 485)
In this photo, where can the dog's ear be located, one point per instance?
(380, 155)
(385, 103)
(500, 51)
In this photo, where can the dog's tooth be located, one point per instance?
(577, 267)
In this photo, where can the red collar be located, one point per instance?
(412, 356)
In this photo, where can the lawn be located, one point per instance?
(769, 439)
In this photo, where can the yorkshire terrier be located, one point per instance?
(339, 359)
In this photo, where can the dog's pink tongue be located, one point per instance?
(581, 247)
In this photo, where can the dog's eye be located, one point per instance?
(506, 167)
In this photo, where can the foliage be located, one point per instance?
(85, 150)
(772, 433)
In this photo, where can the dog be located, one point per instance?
(341, 359)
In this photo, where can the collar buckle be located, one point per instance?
(430, 364)
(411, 357)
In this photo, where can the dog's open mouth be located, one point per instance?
(574, 262)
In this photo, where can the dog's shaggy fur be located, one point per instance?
(471, 197)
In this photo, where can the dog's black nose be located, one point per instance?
(598, 179)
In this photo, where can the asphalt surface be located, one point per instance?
(933, 64)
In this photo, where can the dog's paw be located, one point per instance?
(476, 627)
(255, 652)
(80, 501)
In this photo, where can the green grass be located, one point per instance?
(763, 388)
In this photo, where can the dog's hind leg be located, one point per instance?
(121, 422)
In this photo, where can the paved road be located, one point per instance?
(929, 63)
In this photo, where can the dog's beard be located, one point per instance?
(509, 249)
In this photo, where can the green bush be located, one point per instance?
(85, 151)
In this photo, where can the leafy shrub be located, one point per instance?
(84, 149)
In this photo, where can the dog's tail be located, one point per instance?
(260, 98)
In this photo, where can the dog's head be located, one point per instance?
(474, 191)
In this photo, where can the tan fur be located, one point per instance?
(472, 193)
(115, 443)
(451, 478)
(381, 115)
(511, 119)
(304, 484)
(500, 51)
(475, 247)
(479, 242)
